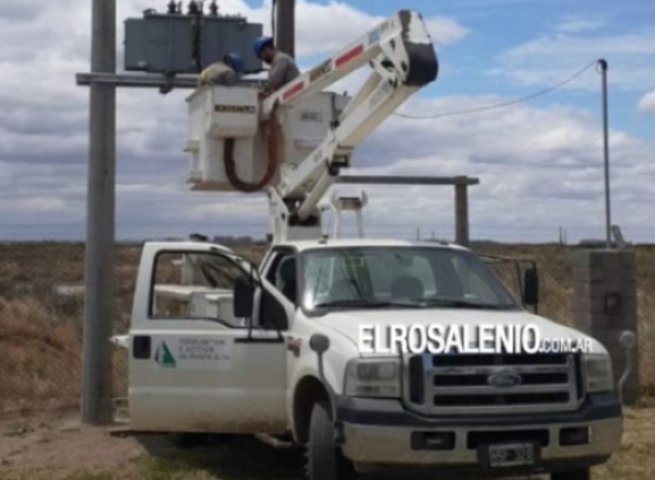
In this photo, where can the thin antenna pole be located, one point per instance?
(606, 152)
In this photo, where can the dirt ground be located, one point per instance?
(59, 449)
(41, 332)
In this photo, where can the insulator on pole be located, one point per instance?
(193, 7)
(213, 9)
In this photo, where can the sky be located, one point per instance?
(539, 162)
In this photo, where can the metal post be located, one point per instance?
(99, 276)
(606, 151)
(461, 215)
(285, 26)
(360, 223)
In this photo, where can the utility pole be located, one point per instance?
(99, 275)
(606, 151)
(285, 26)
(462, 235)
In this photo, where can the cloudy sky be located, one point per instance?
(540, 163)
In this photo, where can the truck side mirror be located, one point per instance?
(319, 343)
(531, 287)
(244, 298)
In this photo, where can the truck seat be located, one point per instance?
(286, 279)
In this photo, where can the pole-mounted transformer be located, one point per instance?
(177, 43)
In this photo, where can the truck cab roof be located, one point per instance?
(303, 245)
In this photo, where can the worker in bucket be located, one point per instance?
(226, 72)
(283, 66)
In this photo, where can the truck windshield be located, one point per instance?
(398, 277)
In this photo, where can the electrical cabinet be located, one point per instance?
(178, 43)
(160, 43)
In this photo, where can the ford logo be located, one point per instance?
(504, 380)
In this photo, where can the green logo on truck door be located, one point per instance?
(164, 357)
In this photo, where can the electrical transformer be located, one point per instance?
(173, 43)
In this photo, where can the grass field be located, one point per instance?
(40, 336)
(40, 329)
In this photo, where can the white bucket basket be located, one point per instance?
(218, 115)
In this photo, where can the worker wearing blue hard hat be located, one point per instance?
(225, 72)
(283, 66)
(235, 61)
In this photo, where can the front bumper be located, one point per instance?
(380, 432)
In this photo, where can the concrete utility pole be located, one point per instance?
(606, 151)
(99, 275)
(462, 236)
(285, 26)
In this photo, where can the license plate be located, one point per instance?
(511, 455)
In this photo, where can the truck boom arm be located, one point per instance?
(402, 57)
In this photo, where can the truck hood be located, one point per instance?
(348, 323)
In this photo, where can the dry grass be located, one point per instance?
(635, 460)
(556, 273)
(40, 332)
(37, 350)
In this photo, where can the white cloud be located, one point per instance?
(43, 44)
(577, 24)
(36, 205)
(538, 166)
(317, 33)
(647, 103)
(324, 28)
(550, 58)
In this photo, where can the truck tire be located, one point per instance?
(580, 474)
(324, 460)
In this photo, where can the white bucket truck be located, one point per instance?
(296, 347)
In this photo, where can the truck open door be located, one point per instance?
(194, 366)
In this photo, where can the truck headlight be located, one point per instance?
(598, 373)
(373, 378)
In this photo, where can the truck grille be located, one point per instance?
(500, 383)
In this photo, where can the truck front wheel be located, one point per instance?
(580, 474)
(324, 460)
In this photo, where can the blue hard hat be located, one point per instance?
(261, 43)
(235, 61)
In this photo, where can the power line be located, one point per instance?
(495, 106)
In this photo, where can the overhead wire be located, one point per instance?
(505, 104)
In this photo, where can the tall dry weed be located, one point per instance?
(40, 355)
